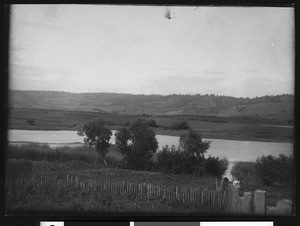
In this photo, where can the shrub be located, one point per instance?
(18, 168)
(152, 123)
(272, 170)
(42, 152)
(170, 160)
(216, 166)
(173, 160)
(187, 158)
(30, 121)
(240, 170)
(181, 125)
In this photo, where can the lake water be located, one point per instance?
(231, 149)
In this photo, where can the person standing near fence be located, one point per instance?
(225, 184)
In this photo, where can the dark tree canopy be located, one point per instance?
(181, 125)
(152, 123)
(193, 145)
(137, 144)
(95, 134)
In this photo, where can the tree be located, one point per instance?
(95, 134)
(216, 166)
(193, 148)
(193, 145)
(275, 170)
(137, 144)
(122, 137)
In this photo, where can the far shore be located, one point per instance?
(177, 133)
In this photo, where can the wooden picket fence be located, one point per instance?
(202, 197)
(226, 200)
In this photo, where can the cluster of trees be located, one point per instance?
(270, 170)
(275, 170)
(181, 125)
(150, 122)
(189, 157)
(137, 143)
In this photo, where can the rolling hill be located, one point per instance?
(279, 106)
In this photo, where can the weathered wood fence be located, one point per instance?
(247, 204)
(222, 199)
(208, 198)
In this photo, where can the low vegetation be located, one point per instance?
(275, 170)
(271, 174)
(242, 170)
(180, 125)
(38, 152)
(216, 166)
(270, 170)
(18, 168)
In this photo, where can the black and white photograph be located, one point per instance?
(150, 110)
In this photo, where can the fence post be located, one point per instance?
(233, 198)
(246, 203)
(260, 202)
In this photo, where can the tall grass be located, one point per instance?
(58, 193)
(43, 152)
(18, 168)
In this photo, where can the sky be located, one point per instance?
(234, 51)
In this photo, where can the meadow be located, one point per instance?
(231, 128)
(38, 181)
(33, 161)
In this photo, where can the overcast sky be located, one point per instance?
(236, 51)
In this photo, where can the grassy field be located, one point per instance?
(234, 128)
(83, 162)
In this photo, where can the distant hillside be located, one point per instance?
(280, 106)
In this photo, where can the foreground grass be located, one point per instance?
(84, 163)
